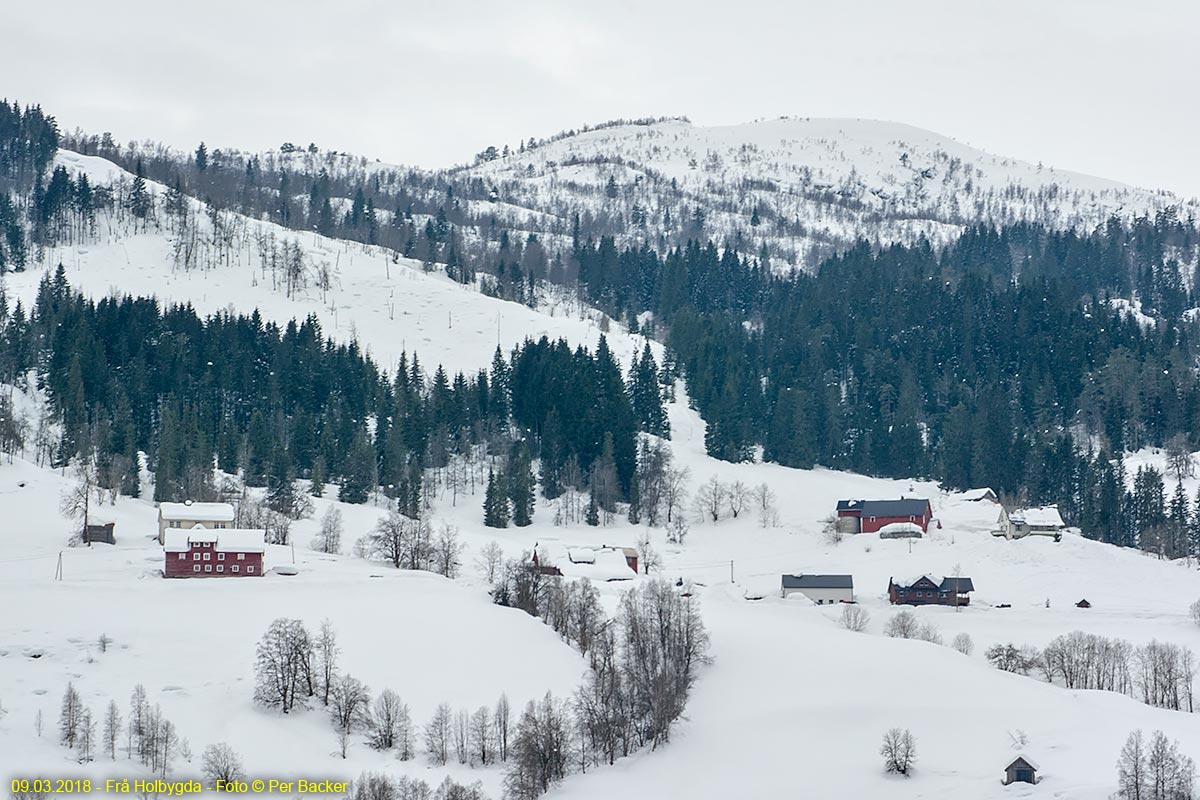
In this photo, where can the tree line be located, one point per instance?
(125, 378)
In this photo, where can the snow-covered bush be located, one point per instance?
(854, 618)
(963, 644)
(903, 625)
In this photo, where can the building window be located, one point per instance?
(220, 567)
(196, 568)
(206, 556)
(220, 556)
(234, 568)
(241, 556)
(183, 556)
(195, 556)
(250, 569)
(208, 567)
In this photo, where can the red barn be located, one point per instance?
(868, 516)
(205, 553)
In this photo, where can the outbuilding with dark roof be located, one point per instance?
(821, 589)
(868, 516)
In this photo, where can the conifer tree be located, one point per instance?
(521, 489)
(495, 502)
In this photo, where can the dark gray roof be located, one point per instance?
(963, 585)
(909, 507)
(818, 581)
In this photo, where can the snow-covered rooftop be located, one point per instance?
(235, 540)
(201, 512)
(1042, 517)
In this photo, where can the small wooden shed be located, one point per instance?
(1020, 770)
(99, 529)
(1083, 604)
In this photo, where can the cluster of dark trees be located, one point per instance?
(124, 375)
(970, 365)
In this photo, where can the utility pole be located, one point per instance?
(58, 569)
(731, 570)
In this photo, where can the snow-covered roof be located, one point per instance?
(901, 527)
(978, 494)
(606, 564)
(1043, 517)
(201, 512)
(99, 517)
(242, 540)
(818, 581)
(229, 540)
(581, 555)
(1026, 759)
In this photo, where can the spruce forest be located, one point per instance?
(999, 360)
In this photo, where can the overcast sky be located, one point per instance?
(1099, 86)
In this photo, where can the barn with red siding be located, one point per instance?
(206, 553)
(868, 516)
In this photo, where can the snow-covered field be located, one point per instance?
(790, 699)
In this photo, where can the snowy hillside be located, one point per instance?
(388, 304)
(801, 186)
(790, 697)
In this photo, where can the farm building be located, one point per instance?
(189, 515)
(99, 528)
(603, 563)
(821, 589)
(930, 590)
(868, 516)
(206, 553)
(1020, 770)
(979, 496)
(1042, 521)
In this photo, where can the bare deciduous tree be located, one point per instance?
(490, 557)
(902, 625)
(220, 762)
(899, 751)
(329, 538)
(437, 734)
(962, 643)
(710, 499)
(854, 618)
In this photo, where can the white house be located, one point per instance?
(187, 516)
(821, 589)
(1041, 521)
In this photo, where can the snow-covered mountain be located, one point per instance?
(802, 187)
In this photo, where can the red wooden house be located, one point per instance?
(928, 590)
(206, 553)
(868, 516)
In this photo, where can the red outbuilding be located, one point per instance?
(868, 516)
(206, 553)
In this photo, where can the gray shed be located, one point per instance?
(1020, 770)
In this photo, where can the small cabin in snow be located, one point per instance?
(929, 590)
(188, 515)
(99, 528)
(1041, 521)
(821, 589)
(868, 516)
(1020, 770)
(204, 553)
(984, 495)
